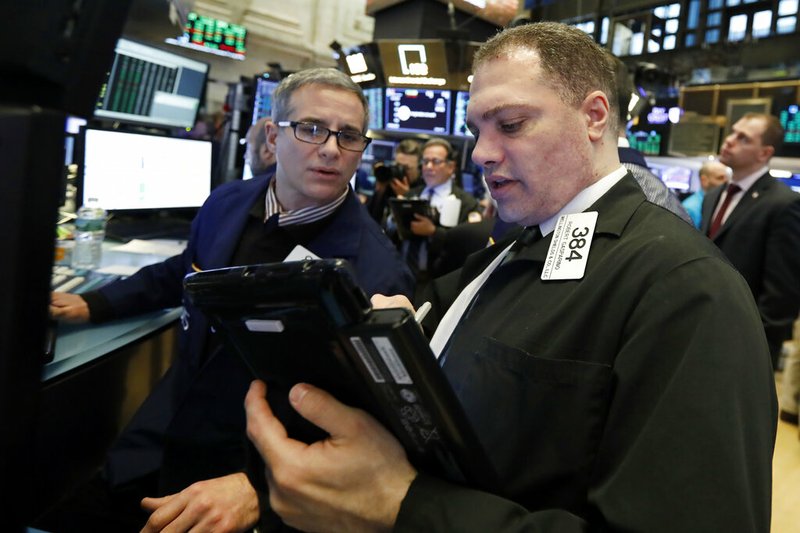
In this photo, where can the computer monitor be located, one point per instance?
(790, 120)
(262, 97)
(789, 116)
(135, 172)
(460, 115)
(375, 103)
(418, 110)
(146, 85)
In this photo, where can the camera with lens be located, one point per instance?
(385, 173)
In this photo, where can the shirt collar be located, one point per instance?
(443, 189)
(304, 215)
(748, 181)
(584, 199)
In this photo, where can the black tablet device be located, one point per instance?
(308, 321)
(403, 211)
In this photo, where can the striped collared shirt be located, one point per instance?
(305, 215)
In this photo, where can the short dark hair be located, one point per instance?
(409, 147)
(573, 64)
(773, 133)
(327, 77)
(438, 141)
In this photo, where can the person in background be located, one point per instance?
(654, 189)
(712, 174)
(259, 156)
(406, 160)
(439, 188)
(755, 221)
(600, 399)
(185, 449)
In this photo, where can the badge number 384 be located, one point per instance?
(569, 247)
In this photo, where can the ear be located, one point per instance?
(272, 134)
(766, 153)
(596, 109)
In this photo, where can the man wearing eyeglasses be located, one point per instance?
(186, 444)
(438, 173)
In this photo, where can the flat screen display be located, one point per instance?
(132, 171)
(146, 85)
(262, 98)
(375, 103)
(460, 115)
(418, 110)
(790, 120)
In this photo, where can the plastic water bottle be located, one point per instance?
(90, 230)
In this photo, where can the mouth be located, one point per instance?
(326, 171)
(498, 183)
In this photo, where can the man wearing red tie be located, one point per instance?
(755, 221)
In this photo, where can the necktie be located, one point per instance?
(528, 236)
(717, 222)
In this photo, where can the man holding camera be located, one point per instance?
(395, 179)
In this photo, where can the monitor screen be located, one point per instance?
(375, 103)
(146, 85)
(460, 115)
(790, 120)
(262, 97)
(132, 171)
(418, 110)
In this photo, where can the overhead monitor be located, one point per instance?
(375, 104)
(460, 115)
(418, 110)
(263, 88)
(146, 85)
(137, 172)
(207, 34)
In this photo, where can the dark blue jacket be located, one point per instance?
(351, 235)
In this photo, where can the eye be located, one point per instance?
(510, 127)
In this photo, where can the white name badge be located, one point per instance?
(569, 249)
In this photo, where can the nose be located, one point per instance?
(330, 148)
(485, 154)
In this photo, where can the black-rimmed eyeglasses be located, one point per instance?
(312, 133)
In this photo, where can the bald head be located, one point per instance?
(713, 174)
(259, 156)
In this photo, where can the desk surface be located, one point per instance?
(78, 345)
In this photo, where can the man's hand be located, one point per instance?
(400, 186)
(68, 307)
(379, 301)
(355, 480)
(221, 504)
(422, 226)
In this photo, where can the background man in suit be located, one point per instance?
(712, 174)
(186, 442)
(758, 225)
(438, 173)
(597, 393)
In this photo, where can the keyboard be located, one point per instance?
(65, 279)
